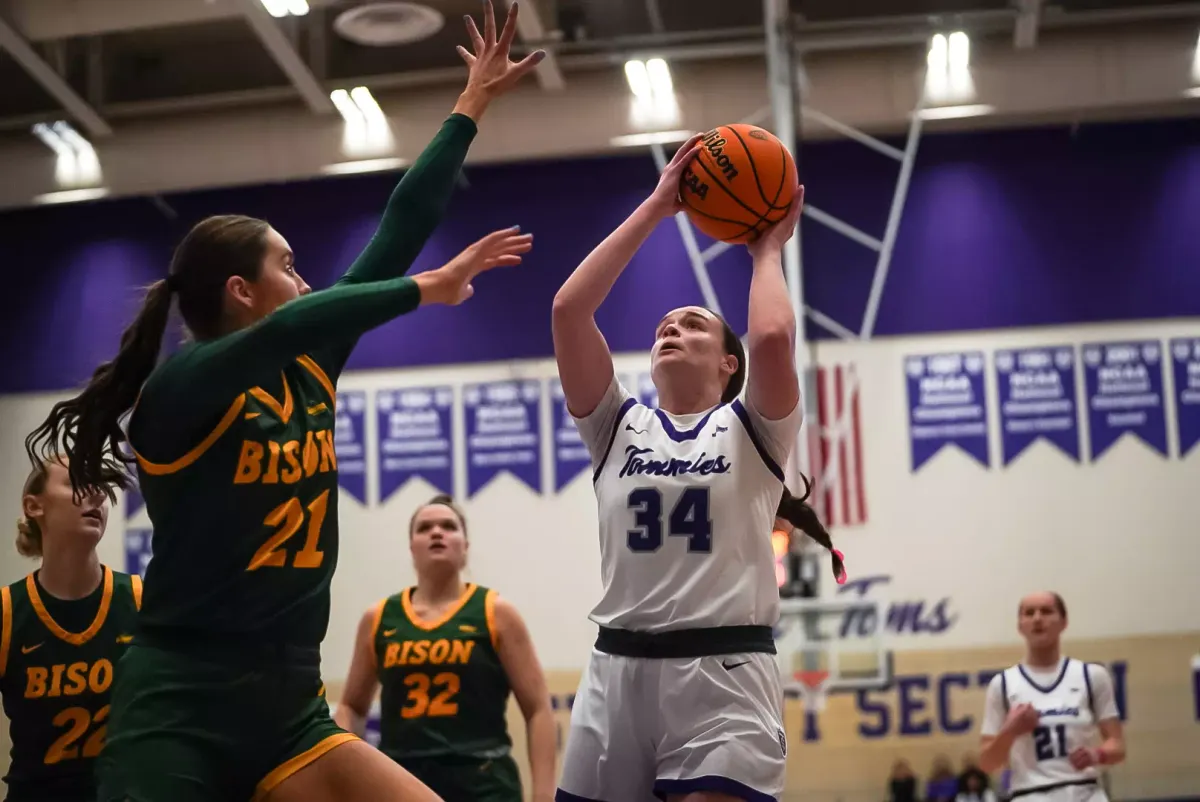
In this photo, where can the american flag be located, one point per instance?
(835, 449)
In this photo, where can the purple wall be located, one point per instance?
(1001, 230)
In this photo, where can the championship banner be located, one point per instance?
(947, 405)
(1037, 400)
(1125, 394)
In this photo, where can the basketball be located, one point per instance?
(741, 182)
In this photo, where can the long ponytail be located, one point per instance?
(796, 511)
(86, 429)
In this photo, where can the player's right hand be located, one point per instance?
(665, 198)
(1022, 719)
(491, 71)
(450, 284)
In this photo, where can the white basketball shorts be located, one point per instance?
(644, 729)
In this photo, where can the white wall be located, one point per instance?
(1115, 537)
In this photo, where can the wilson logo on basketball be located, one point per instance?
(715, 144)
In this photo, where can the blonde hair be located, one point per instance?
(29, 534)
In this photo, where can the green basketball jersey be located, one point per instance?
(245, 523)
(443, 688)
(56, 670)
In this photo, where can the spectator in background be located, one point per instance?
(970, 769)
(974, 789)
(902, 784)
(943, 782)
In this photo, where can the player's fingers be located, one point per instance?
(510, 29)
(687, 149)
(506, 260)
(466, 56)
(473, 32)
(521, 244)
(489, 23)
(527, 64)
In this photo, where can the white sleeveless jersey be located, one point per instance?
(686, 507)
(1068, 721)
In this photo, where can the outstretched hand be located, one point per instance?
(665, 198)
(450, 284)
(492, 72)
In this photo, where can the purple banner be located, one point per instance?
(503, 428)
(133, 501)
(1037, 399)
(1125, 394)
(646, 392)
(1185, 357)
(137, 551)
(947, 405)
(350, 442)
(571, 456)
(415, 437)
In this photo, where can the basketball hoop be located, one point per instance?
(812, 689)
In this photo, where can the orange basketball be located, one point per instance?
(742, 182)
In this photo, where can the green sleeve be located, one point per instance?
(412, 213)
(200, 381)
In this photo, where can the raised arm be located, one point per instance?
(773, 385)
(418, 203)
(362, 683)
(204, 378)
(584, 362)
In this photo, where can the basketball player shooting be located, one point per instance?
(1053, 719)
(681, 699)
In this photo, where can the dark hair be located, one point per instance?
(87, 428)
(440, 500)
(801, 515)
(733, 345)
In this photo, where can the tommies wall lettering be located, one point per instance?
(922, 616)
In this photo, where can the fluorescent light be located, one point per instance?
(652, 138)
(364, 166)
(297, 7)
(956, 112)
(659, 73)
(638, 78)
(276, 8)
(1193, 92)
(71, 196)
(1196, 63)
(52, 140)
(367, 104)
(937, 58)
(959, 51)
(349, 109)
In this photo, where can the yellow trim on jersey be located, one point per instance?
(375, 630)
(309, 364)
(406, 603)
(73, 638)
(489, 612)
(156, 469)
(282, 411)
(136, 582)
(282, 772)
(5, 626)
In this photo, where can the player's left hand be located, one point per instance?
(773, 239)
(1085, 756)
(450, 284)
(491, 70)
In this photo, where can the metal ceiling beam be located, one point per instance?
(1029, 18)
(531, 29)
(15, 45)
(280, 49)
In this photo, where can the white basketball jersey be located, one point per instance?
(1067, 722)
(686, 508)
